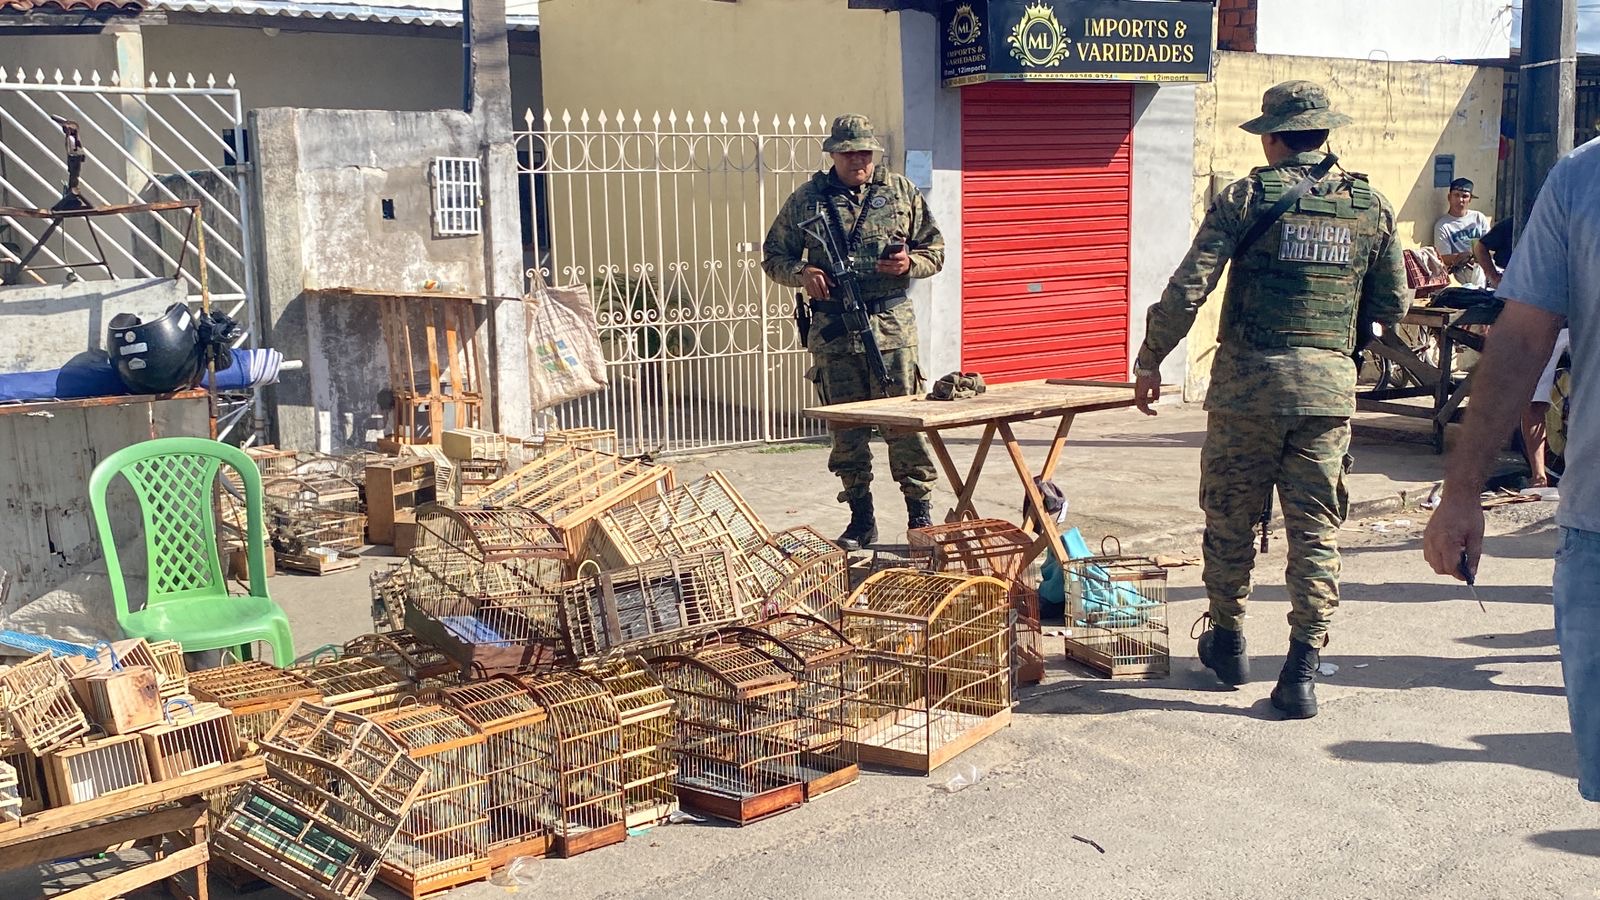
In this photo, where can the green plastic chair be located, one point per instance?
(188, 599)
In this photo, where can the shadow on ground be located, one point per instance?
(1578, 841)
(1542, 752)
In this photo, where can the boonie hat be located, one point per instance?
(1295, 106)
(851, 133)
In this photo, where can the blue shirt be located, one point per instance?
(1556, 267)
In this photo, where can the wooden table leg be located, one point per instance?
(1047, 524)
(964, 488)
(1051, 460)
(1444, 387)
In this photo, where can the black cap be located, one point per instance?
(1461, 184)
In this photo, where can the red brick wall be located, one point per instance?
(1236, 25)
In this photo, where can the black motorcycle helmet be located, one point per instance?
(158, 356)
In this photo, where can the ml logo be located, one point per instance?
(1038, 39)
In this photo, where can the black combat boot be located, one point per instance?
(863, 528)
(919, 513)
(1296, 694)
(1223, 652)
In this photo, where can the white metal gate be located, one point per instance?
(165, 139)
(662, 217)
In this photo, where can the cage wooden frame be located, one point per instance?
(936, 668)
(653, 602)
(444, 841)
(357, 684)
(478, 443)
(258, 693)
(571, 487)
(337, 791)
(490, 617)
(683, 519)
(325, 512)
(582, 740)
(32, 783)
(10, 796)
(1001, 550)
(645, 711)
(736, 733)
(519, 772)
(423, 664)
(40, 707)
(172, 674)
(824, 663)
(489, 533)
(818, 576)
(93, 767)
(388, 585)
(191, 738)
(393, 485)
(1117, 616)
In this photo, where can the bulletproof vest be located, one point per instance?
(1299, 284)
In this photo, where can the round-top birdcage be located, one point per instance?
(645, 710)
(517, 769)
(582, 739)
(492, 534)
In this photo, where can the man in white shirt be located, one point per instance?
(1455, 232)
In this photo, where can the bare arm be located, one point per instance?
(1486, 262)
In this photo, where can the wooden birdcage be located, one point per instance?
(473, 476)
(571, 487)
(444, 841)
(88, 768)
(309, 517)
(644, 709)
(1000, 550)
(824, 663)
(40, 707)
(736, 732)
(817, 578)
(520, 776)
(388, 586)
(936, 665)
(492, 534)
(582, 740)
(193, 737)
(165, 657)
(338, 789)
(490, 617)
(256, 692)
(474, 443)
(172, 675)
(424, 665)
(10, 796)
(31, 787)
(357, 684)
(689, 518)
(643, 604)
(1117, 616)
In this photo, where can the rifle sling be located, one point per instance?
(1285, 203)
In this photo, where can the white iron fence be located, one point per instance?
(663, 217)
(144, 143)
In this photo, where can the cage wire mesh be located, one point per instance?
(935, 654)
(444, 840)
(817, 577)
(388, 585)
(517, 768)
(89, 768)
(582, 740)
(310, 514)
(644, 604)
(490, 616)
(191, 737)
(736, 733)
(645, 711)
(31, 781)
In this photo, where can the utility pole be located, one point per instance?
(1546, 95)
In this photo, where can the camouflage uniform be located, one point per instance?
(1283, 382)
(895, 211)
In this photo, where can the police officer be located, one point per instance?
(884, 224)
(1313, 253)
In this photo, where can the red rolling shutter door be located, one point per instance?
(1045, 186)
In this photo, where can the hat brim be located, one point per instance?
(1313, 120)
(832, 146)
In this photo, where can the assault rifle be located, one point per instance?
(842, 289)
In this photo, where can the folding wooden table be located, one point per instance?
(996, 410)
(1449, 329)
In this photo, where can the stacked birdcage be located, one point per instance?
(517, 767)
(582, 740)
(824, 663)
(357, 684)
(172, 675)
(737, 731)
(31, 788)
(191, 737)
(444, 841)
(644, 709)
(40, 708)
(935, 658)
(256, 692)
(495, 534)
(337, 791)
(571, 487)
(647, 604)
(425, 666)
(1000, 550)
(388, 585)
(817, 578)
(1117, 615)
(490, 617)
(88, 768)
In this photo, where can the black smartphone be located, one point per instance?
(893, 249)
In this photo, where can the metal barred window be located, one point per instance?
(457, 196)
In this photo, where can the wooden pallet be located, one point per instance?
(312, 564)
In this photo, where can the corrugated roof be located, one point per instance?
(115, 7)
(440, 13)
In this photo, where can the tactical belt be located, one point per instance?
(835, 308)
